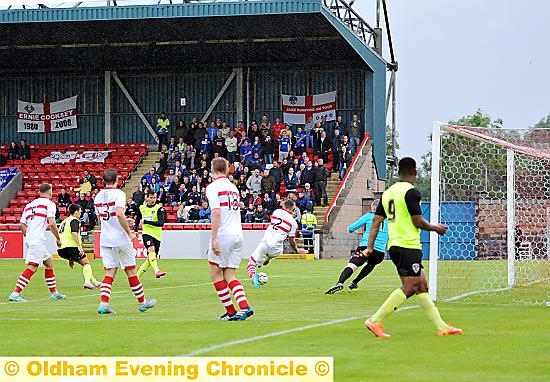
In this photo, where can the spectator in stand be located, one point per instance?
(193, 161)
(150, 176)
(24, 150)
(308, 130)
(255, 163)
(171, 161)
(154, 186)
(291, 181)
(13, 151)
(257, 147)
(297, 215)
(242, 208)
(241, 183)
(219, 144)
(143, 185)
(91, 178)
(180, 131)
(277, 127)
(268, 203)
(240, 132)
(231, 146)
(193, 197)
(194, 214)
(245, 151)
(300, 142)
(265, 127)
(212, 131)
(324, 146)
(308, 174)
(261, 215)
(163, 129)
(198, 135)
(356, 132)
(299, 174)
(172, 145)
(339, 125)
(205, 146)
(308, 224)
(304, 158)
(181, 195)
(336, 143)
(303, 202)
(268, 149)
(182, 146)
(254, 131)
(277, 175)
(316, 134)
(226, 130)
(321, 176)
(138, 196)
(177, 152)
(204, 213)
(83, 185)
(327, 126)
(182, 214)
(284, 146)
(63, 199)
(268, 184)
(250, 213)
(162, 196)
(285, 165)
(246, 197)
(345, 160)
(254, 183)
(295, 164)
(256, 198)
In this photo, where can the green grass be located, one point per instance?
(500, 342)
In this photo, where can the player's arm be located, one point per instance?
(75, 231)
(357, 224)
(161, 214)
(379, 217)
(139, 217)
(412, 199)
(120, 214)
(215, 217)
(24, 229)
(53, 229)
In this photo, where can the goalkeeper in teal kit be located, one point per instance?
(370, 262)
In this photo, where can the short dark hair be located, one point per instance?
(44, 187)
(407, 166)
(73, 208)
(109, 176)
(151, 192)
(289, 204)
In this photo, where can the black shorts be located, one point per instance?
(375, 258)
(149, 241)
(71, 254)
(407, 261)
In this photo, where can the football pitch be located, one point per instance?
(293, 317)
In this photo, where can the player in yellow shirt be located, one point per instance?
(71, 246)
(401, 206)
(154, 217)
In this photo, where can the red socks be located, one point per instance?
(106, 286)
(238, 292)
(225, 297)
(137, 288)
(23, 280)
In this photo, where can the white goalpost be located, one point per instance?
(491, 187)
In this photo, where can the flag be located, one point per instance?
(298, 109)
(46, 117)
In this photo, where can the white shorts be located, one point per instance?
(118, 257)
(264, 252)
(37, 253)
(231, 246)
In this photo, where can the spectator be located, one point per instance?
(163, 126)
(257, 147)
(308, 130)
(138, 196)
(268, 203)
(291, 181)
(231, 147)
(242, 208)
(261, 215)
(91, 178)
(255, 163)
(240, 132)
(327, 126)
(277, 127)
(265, 127)
(324, 146)
(204, 212)
(13, 151)
(339, 125)
(300, 142)
(63, 199)
(316, 134)
(308, 174)
(308, 224)
(198, 135)
(268, 184)
(335, 147)
(193, 197)
(226, 130)
(277, 203)
(182, 146)
(150, 176)
(254, 131)
(321, 176)
(83, 186)
(246, 197)
(245, 151)
(212, 131)
(171, 161)
(172, 145)
(277, 175)
(154, 186)
(241, 183)
(256, 199)
(356, 131)
(24, 150)
(162, 196)
(181, 195)
(143, 185)
(250, 213)
(345, 160)
(205, 146)
(254, 183)
(297, 213)
(303, 202)
(194, 214)
(268, 149)
(182, 214)
(181, 131)
(284, 146)
(219, 144)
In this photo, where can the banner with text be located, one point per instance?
(46, 117)
(298, 109)
(92, 156)
(56, 157)
(6, 175)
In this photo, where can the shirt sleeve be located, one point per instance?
(75, 225)
(51, 210)
(120, 200)
(412, 199)
(212, 196)
(380, 211)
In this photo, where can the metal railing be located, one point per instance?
(343, 10)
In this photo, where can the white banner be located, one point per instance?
(58, 157)
(92, 156)
(46, 117)
(298, 109)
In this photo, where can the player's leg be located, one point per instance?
(256, 260)
(354, 263)
(372, 261)
(222, 289)
(49, 275)
(22, 281)
(127, 257)
(90, 282)
(431, 310)
(111, 265)
(147, 263)
(231, 247)
(154, 260)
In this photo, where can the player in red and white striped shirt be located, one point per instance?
(224, 252)
(37, 216)
(282, 226)
(115, 243)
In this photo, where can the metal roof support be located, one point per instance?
(107, 106)
(135, 106)
(239, 105)
(219, 96)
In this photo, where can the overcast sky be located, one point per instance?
(459, 55)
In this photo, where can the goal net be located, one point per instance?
(491, 187)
